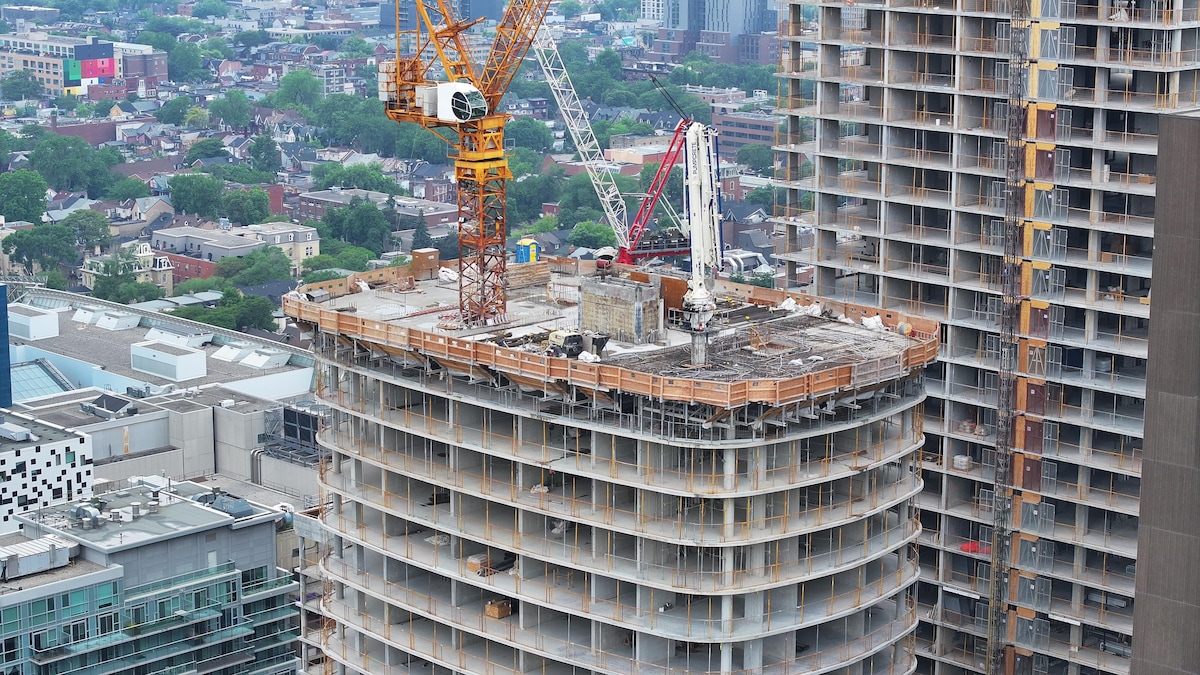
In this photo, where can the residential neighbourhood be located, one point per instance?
(261, 98)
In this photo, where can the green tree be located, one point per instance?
(233, 109)
(609, 62)
(203, 149)
(524, 162)
(246, 206)
(163, 42)
(103, 107)
(447, 247)
(356, 47)
(591, 234)
(238, 173)
(174, 110)
(318, 276)
(758, 157)
(235, 311)
(69, 163)
(361, 176)
(213, 283)
(20, 85)
(185, 63)
(353, 258)
(196, 193)
(45, 246)
(257, 267)
(216, 48)
(196, 118)
(126, 189)
(176, 25)
(360, 223)
(420, 237)
(526, 132)
(570, 8)
(22, 196)
(68, 103)
(251, 38)
(620, 98)
(90, 228)
(264, 154)
(299, 88)
(763, 196)
(207, 8)
(55, 279)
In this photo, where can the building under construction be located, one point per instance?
(500, 500)
(899, 195)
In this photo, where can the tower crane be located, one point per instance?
(629, 234)
(463, 110)
(1010, 319)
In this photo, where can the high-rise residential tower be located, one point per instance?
(498, 507)
(892, 146)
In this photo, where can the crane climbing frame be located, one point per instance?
(463, 111)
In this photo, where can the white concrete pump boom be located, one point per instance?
(702, 206)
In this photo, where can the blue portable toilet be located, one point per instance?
(528, 250)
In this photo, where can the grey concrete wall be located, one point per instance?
(626, 310)
(148, 430)
(193, 432)
(1167, 599)
(236, 436)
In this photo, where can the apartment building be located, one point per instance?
(494, 508)
(41, 465)
(895, 120)
(146, 266)
(153, 576)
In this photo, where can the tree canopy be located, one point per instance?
(758, 157)
(185, 63)
(89, 227)
(246, 206)
(208, 147)
(299, 88)
(361, 176)
(118, 282)
(196, 193)
(356, 47)
(359, 223)
(20, 85)
(256, 267)
(173, 111)
(235, 311)
(526, 132)
(69, 163)
(264, 154)
(126, 189)
(233, 109)
(22, 195)
(591, 234)
(45, 245)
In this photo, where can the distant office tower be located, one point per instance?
(713, 27)
(893, 145)
(652, 10)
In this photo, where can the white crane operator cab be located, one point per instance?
(453, 101)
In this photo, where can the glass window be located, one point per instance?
(107, 623)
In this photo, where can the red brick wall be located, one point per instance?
(187, 267)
